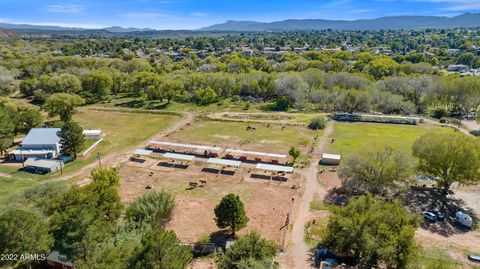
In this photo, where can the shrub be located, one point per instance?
(317, 123)
(439, 113)
(153, 208)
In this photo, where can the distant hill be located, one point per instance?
(113, 29)
(7, 34)
(394, 23)
(118, 29)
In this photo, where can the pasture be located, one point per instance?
(351, 137)
(264, 137)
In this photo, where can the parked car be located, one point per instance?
(323, 254)
(429, 216)
(440, 216)
(463, 219)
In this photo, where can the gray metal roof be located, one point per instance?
(59, 258)
(43, 163)
(42, 136)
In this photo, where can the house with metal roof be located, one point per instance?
(39, 143)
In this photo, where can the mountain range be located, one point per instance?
(113, 29)
(394, 23)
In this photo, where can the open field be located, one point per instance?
(267, 202)
(123, 131)
(266, 137)
(350, 137)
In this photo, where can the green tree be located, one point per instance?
(88, 212)
(7, 129)
(250, 251)
(105, 182)
(22, 232)
(449, 158)
(71, 138)
(376, 232)
(154, 208)
(230, 212)
(63, 105)
(317, 123)
(170, 88)
(205, 96)
(98, 84)
(294, 153)
(161, 249)
(376, 170)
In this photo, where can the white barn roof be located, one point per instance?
(185, 145)
(143, 152)
(179, 156)
(274, 168)
(92, 132)
(331, 156)
(224, 162)
(256, 153)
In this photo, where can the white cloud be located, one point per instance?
(64, 8)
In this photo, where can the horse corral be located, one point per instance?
(267, 201)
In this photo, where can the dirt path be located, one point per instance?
(298, 252)
(117, 158)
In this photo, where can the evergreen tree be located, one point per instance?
(71, 139)
(231, 213)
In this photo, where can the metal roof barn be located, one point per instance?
(143, 152)
(224, 162)
(42, 136)
(176, 156)
(274, 168)
(256, 153)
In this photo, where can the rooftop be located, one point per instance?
(42, 136)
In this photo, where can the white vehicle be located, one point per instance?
(429, 216)
(464, 219)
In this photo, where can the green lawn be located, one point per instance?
(123, 131)
(350, 137)
(270, 138)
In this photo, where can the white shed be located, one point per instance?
(330, 159)
(92, 134)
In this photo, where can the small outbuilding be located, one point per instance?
(92, 134)
(43, 166)
(55, 260)
(330, 159)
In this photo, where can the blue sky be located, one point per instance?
(193, 14)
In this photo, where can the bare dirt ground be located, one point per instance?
(470, 195)
(298, 254)
(266, 202)
(471, 125)
(202, 264)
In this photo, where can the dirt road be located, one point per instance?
(298, 252)
(116, 158)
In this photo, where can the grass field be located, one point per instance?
(350, 137)
(123, 131)
(270, 138)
